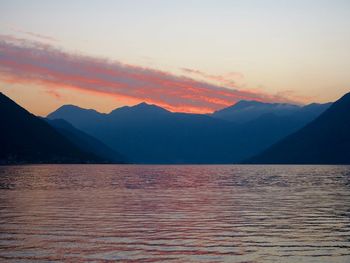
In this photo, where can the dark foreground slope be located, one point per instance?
(326, 140)
(86, 142)
(25, 138)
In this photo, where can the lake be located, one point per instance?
(189, 213)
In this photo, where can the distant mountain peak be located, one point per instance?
(70, 107)
(242, 104)
(143, 104)
(29, 139)
(247, 103)
(141, 107)
(73, 112)
(246, 110)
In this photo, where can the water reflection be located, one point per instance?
(175, 213)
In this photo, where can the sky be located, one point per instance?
(185, 55)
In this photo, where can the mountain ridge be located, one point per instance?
(29, 139)
(325, 140)
(245, 111)
(150, 134)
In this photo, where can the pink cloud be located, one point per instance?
(228, 79)
(23, 61)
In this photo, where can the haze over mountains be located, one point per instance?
(150, 134)
(244, 111)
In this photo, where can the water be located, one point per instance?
(112, 213)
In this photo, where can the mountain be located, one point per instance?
(150, 134)
(86, 142)
(310, 111)
(326, 140)
(81, 118)
(244, 111)
(25, 138)
(147, 133)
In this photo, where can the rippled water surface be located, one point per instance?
(94, 213)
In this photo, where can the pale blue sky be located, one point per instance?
(295, 47)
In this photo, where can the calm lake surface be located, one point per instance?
(95, 213)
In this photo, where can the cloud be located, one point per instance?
(32, 34)
(228, 79)
(23, 61)
(292, 95)
(54, 93)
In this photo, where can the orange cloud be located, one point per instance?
(23, 61)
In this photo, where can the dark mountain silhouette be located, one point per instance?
(325, 140)
(26, 138)
(310, 111)
(150, 134)
(86, 142)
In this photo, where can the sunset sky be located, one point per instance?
(184, 55)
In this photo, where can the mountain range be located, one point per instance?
(246, 132)
(147, 133)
